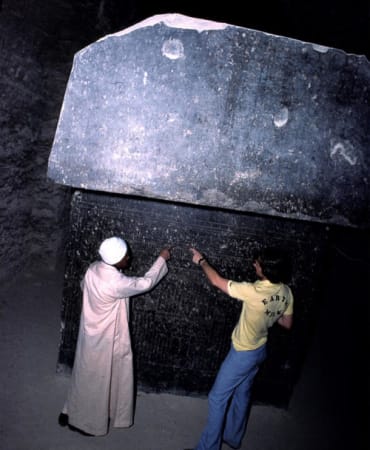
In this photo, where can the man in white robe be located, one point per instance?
(102, 384)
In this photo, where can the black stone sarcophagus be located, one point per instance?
(187, 132)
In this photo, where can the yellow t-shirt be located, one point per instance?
(263, 303)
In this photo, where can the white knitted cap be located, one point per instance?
(112, 250)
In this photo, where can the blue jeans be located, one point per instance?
(227, 420)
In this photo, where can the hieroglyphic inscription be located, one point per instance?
(181, 330)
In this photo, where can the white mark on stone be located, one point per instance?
(172, 117)
(281, 118)
(346, 151)
(320, 48)
(173, 49)
(145, 79)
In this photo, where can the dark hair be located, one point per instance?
(275, 264)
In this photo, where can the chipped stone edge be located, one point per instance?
(176, 20)
(173, 20)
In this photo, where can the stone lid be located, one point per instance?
(189, 110)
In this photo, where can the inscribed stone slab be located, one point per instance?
(181, 330)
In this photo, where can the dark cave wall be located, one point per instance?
(37, 41)
(31, 91)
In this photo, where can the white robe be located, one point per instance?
(102, 377)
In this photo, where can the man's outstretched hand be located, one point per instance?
(165, 253)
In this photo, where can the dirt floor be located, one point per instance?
(322, 414)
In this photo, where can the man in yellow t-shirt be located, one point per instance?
(265, 302)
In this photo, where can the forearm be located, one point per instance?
(212, 275)
(158, 270)
(210, 272)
